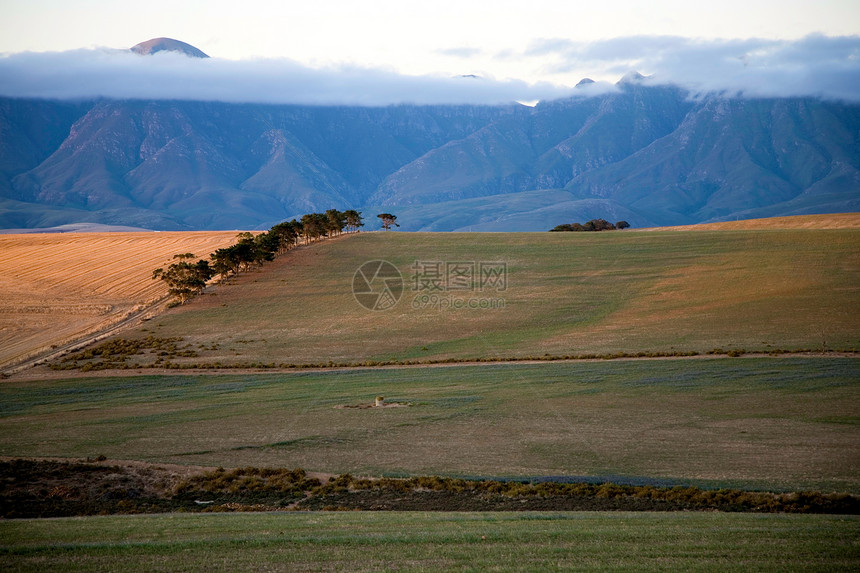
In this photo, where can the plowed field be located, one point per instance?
(59, 287)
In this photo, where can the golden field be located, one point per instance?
(63, 286)
(830, 221)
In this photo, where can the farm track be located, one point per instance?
(57, 351)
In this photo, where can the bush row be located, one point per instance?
(282, 481)
(115, 353)
(249, 479)
(120, 361)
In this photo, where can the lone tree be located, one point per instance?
(622, 225)
(387, 220)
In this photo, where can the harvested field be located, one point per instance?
(60, 287)
(832, 221)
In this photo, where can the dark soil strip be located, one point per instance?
(45, 488)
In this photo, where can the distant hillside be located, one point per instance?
(650, 155)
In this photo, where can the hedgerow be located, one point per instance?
(282, 481)
(99, 359)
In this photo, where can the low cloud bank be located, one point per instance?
(818, 66)
(125, 75)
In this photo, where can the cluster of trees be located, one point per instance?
(593, 225)
(186, 279)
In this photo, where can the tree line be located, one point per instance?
(593, 225)
(186, 278)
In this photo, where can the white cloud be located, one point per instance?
(125, 75)
(464, 52)
(816, 65)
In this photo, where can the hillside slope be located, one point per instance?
(771, 157)
(562, 294)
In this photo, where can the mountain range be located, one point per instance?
(648, 154)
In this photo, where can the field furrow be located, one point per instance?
(58, 287)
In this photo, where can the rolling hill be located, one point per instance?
(563, 294)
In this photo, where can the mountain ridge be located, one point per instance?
(649, 154)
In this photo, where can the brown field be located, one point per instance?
(832, 221)
(60, 287)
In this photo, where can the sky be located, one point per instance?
(393, 51)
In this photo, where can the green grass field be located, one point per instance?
(566, 294)
(398, 541)
(785, 423)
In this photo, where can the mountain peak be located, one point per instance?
(584, 82)
(631, 77)
(156, 45)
